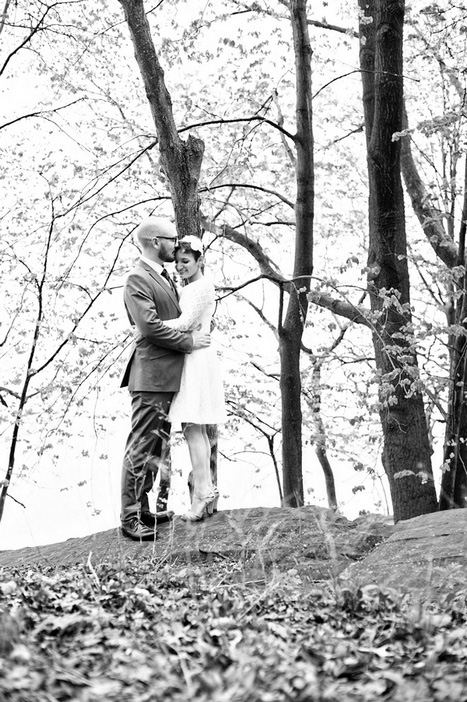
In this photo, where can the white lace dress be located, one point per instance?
(200, 399)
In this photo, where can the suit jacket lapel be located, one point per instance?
(164, 284)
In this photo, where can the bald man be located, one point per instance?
(153, 372)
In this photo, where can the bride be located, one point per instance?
(200, 400)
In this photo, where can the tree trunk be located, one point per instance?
(291, 328)
(406, 451)
(290, 335)
(320, 436)
(181, 160)
(323, 459)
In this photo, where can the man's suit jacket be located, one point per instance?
(157, 356)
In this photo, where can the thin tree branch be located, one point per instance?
(37, 28)
(10, 392)
(254, 118)
(262, 316)
(333, 28)
(41, 113)
(326, 85)
(247, 186)
(267, 267)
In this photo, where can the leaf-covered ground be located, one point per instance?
(143, 632)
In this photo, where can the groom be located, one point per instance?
(153, 372)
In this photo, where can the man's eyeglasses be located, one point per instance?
(170, 238)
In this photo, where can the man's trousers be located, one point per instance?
(146, 450)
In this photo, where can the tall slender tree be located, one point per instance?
(406, 451)
(291, 328)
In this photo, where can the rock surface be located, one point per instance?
(423, 556)
(315, 541)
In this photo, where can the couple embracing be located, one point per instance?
(173, 374)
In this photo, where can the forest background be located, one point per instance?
(80, 168)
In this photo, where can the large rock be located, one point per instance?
(421, 556)
(317, 542)
(424, 556)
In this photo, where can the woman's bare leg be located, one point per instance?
(200, 455)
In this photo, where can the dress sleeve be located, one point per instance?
(195, 301)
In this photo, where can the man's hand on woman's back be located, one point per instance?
(201, 341)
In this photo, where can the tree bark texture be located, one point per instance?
(291, 328)
(406, 450)
(320, 436)
(180, 160)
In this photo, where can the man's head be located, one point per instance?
(156, 237)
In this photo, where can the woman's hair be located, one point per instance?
(192, 245)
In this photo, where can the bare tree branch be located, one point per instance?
(254, 118)
(333, 28)
(266, 265)
(255, 7)
(357, 314)
(40, 113)
(10, 392)
(262, 316)
(247, 186)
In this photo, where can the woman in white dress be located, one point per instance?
(200, 400)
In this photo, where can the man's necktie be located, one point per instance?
(165, 274)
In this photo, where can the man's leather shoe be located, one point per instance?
(136, 530)
(150, 519)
